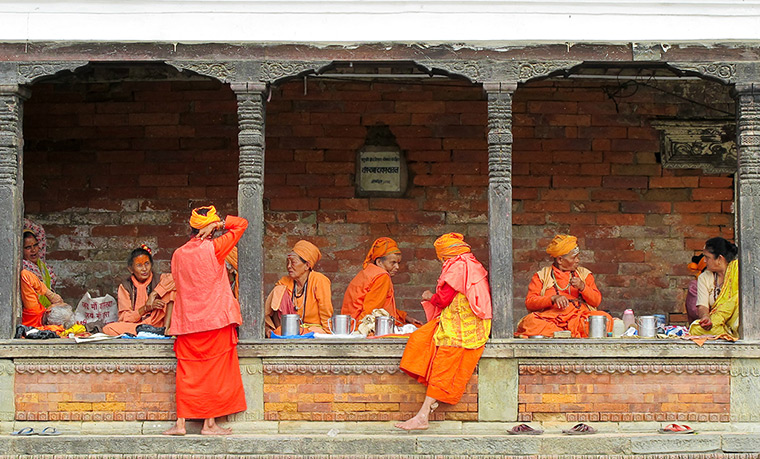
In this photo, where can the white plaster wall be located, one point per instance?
(431, 21)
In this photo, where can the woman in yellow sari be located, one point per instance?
(722, 316)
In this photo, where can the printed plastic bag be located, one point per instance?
(103, 309)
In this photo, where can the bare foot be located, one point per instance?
(175, 430)
(416, 423)
(216, 429)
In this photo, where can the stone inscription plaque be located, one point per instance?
(380, 171)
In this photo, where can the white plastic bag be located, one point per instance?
(103, 309)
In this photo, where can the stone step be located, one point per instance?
(375, 439)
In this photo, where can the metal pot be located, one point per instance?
(597, 327)
(341, 324)
(383, 326)
(291, 324)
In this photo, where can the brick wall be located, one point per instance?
(356, 397)
(112, 162)
(648, 393)
(588, 164)
(95, 392)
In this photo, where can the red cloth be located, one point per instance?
(209, 384)
(204, 299)
(466, 275)
(445, 370)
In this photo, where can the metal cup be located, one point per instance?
(597, 327)
(339, 324)
(383, 326)
(647, 326)
(291, 324)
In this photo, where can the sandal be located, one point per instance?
(50, 432)
(524, 429)
(676, 429)
(580, 429)
(24, 432)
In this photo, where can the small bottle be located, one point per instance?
(628, 319)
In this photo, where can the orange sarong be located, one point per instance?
(445, 370)
(209, 384)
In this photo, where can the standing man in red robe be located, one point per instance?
(205, 320)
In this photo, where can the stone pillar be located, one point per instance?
(748, 207)
(11, 202)
(500, 204)
(498, 389)
(251, 113)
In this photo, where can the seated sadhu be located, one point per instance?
(144, 298)
(372, 288)
(561, 296)
(303, 291)
(32, 289)
(443, 354)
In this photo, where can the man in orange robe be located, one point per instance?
(372, 288)
(561, 296)
(443, 353)
(31, 289)
(205, 320)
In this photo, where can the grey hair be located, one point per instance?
(61, 314)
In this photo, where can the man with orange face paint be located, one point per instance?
(205, 320)
(372, 288)
(561, 296)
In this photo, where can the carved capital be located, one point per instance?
(724, 72)
(222, 71)
(251, 140)
(748, 137)
(500, 140)
(270, 72)
(11, 113)
(28, 73)
(489, 71)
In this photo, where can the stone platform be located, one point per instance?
(373, 439)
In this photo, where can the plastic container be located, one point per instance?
(628, 319)
(618, 327)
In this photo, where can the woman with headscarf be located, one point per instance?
(35, 251)
(561, 296)
(718, 291)
(443, 353)
(372, 288)
(205, 319)
(303, 291)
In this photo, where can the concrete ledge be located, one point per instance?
(373, 439)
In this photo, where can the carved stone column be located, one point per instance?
(500, 204)
(11, 201)
(748, 207)
(251, 111)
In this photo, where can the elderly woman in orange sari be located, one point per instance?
(443, 353)
(372, 288)
(561, 296)
(303, 291)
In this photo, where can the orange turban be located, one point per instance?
(381, 247)
(199, 221)
(696, 268)
(562, 244)
(450, 245)
(308, 252)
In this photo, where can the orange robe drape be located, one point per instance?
(31, 289)
(444, 353)
(371, 289)
(208, 382)
(129, 318)
(546, 319)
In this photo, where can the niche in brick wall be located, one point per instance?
(381, 168)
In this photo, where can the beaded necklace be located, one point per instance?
(303, 294)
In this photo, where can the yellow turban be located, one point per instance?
(308, 252)
(562, 244)
(199, 221)
(381, 247)
(450, 245)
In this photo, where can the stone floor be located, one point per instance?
(373, 439)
